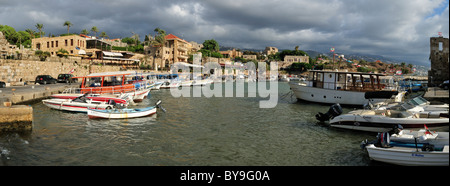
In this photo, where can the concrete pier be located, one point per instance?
(15, 117)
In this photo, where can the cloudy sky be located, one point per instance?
(399, 29)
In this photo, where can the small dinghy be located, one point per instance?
(118, 113)
(410, 154)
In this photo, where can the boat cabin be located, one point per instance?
(351, 81)
(106, 83)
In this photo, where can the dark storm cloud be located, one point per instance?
(399, 29)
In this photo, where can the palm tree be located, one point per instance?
(103, 35)
(85, 32)
(31, 32)
(95, 30)
(39, 26)
(160, 40)
(68, 24)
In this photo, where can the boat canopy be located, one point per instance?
(103, 74)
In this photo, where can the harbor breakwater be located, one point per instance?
(20, 117)
(17, 73)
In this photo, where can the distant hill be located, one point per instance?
(367, 57)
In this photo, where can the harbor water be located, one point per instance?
(194, 131)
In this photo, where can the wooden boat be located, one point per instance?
(123, 98)
(79, 104)
(412, 154)
(122, 113)
(345, 88)
(106, 83)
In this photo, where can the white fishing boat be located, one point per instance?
(122, 113)
(79, 104)
(157, 85)
(408, 156)
(186, 83)
(171, 84)
(412, 154)
(140, 95)
(346, 88)
(122, 98)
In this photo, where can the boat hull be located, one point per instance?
(408, 156)
(94, 97)
(379, 123)
(121, 113)
(331, 96)
(139, 95)
(69, 105)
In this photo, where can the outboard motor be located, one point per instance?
(335, 110)
(158, 105)
(383, 140)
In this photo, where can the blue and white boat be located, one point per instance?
(413, 149)
(123, 113)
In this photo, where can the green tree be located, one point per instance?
(85, 32)
(40, 26)
(42, 55)
(160, 40)
(103, 35)
(211, 45)
(95, 30)
(68, 24)
(31, 32)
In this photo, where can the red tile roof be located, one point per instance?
(171, 36)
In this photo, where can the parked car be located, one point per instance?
(44, 79)
(66, 78)
(2, 84)
(444, 85)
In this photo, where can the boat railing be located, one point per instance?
(357, 86)
(100, 90)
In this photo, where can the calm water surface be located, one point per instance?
(194, 131)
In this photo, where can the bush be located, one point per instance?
(42, 55)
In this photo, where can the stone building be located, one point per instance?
(231, 54)
(174, 50)
(439, 50)
(12, 51)
(72, 44)
(270, 50)
(296, 59)
(250, 57)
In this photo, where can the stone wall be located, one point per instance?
(12, 71)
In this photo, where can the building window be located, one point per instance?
(71, 42)
(38, 46)
(48, 44)
(441, 46)
(52, 44)
(71, 51)
(66, 42)
(56, 44)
